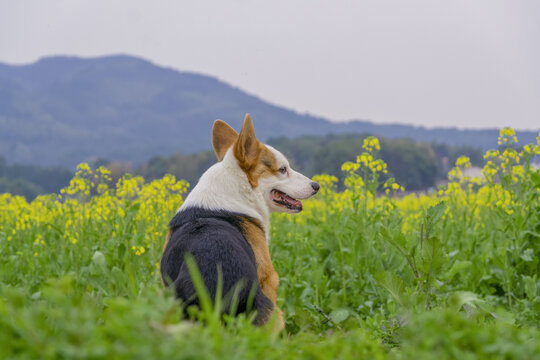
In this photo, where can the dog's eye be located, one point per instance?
(283, 169)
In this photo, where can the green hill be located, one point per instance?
(64, 110)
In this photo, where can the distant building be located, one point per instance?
(473, 171)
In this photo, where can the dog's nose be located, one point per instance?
(315, 187)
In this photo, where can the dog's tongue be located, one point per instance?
(293, 202)
(290, 202)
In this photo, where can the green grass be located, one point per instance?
(361, 276)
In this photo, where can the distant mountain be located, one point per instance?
(64, 110)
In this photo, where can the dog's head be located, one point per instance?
(266, 169)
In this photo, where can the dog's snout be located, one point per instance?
(315, 187)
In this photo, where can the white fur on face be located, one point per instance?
(292, 183)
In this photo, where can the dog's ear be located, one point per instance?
(247, 148)
(223, 137)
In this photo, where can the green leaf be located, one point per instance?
(458, 267)
(433, 256)
(529, 285)
(99, 260)
(412, 253)
(527, 255)
(530, 234)
(340, 315)
(394, 285)
(383, 231)
(535, 177)
(121, 250)
(460, 298)
(435, 212)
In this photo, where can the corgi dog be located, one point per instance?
(223, 223)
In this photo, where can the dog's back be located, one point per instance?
(215, 239)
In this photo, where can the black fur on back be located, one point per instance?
(214, 238)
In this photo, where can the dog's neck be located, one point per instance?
(224, 186)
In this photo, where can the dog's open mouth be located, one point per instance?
(280, 198)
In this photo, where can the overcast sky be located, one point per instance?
(464, 63)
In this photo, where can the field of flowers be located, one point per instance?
(365, 273)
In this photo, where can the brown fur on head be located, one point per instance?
(254, 158)
(223, 137)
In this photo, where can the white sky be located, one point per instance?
(465, 63)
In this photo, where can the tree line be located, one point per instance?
(32, 180)
(415, 165)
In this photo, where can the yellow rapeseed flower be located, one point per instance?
(139, 250)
